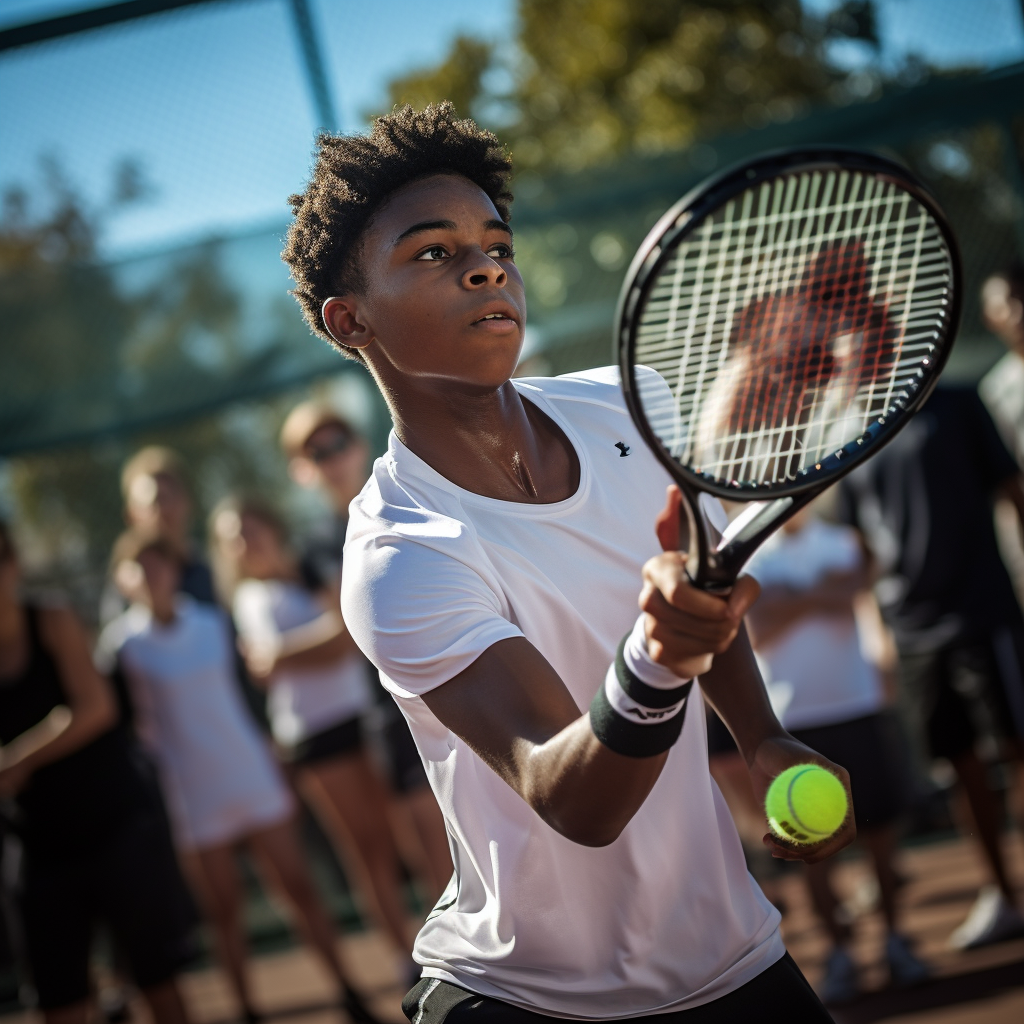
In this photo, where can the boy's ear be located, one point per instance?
(341, 318)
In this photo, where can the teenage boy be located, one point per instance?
(493, 564)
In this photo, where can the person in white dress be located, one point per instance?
(221, 784)
(318, 691)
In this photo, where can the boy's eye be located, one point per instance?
(501, 251)
(435, 252)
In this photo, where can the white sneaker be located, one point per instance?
(991, 920)
(905, 969)
(840, 984)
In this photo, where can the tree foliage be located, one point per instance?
(69, 322)
(588, 80)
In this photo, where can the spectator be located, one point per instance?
(924, 508)
(96, 844)
(327, 454)
(222, 786)
(318, 693)
(156, 495)
(826, 693)
(1002, 388)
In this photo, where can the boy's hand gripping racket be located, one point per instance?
(796, 311)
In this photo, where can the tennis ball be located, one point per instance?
(805, 804)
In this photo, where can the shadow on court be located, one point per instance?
(941, 993)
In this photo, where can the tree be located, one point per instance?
(589, 80)
(73, 337)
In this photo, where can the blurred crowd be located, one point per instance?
(223, 693)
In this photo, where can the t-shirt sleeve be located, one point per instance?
(418, 612)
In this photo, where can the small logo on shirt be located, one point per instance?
(623, 449)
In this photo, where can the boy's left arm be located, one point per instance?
(736, 691)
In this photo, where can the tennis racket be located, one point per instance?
(776, 328)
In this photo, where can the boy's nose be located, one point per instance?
(483, 271)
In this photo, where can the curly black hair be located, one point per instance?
(354, 175)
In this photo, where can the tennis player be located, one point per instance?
(493, 568)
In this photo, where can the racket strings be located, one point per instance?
(789, 321)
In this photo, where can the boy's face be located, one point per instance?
(436, 260)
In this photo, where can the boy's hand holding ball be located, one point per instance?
(806, 804)
(806, 800)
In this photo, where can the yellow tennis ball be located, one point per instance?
(805, 804)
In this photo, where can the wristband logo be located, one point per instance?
(646, 714)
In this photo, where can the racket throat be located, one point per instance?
(720, 558)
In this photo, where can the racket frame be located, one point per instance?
(720, 558)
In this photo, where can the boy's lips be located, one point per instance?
(497, 314)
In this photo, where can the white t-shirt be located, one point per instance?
(816, 672)
(301, 701)
(217, 773)
(664, 918)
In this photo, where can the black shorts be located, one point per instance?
(779, 995)
(966, 692)
(337, 741)
(865, 747)
(131, 882)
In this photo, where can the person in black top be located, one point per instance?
(96, 845)
(924, 506)
(326, 453)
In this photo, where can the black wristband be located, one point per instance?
(633, 739)
(644, 694)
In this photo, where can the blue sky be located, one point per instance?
(213, 102)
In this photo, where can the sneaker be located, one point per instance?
(905, 969)
(991, 920)
(840, 984)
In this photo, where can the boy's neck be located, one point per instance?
(495, 444)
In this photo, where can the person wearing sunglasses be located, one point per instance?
(327, 454)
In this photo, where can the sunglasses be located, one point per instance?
(322, 452)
